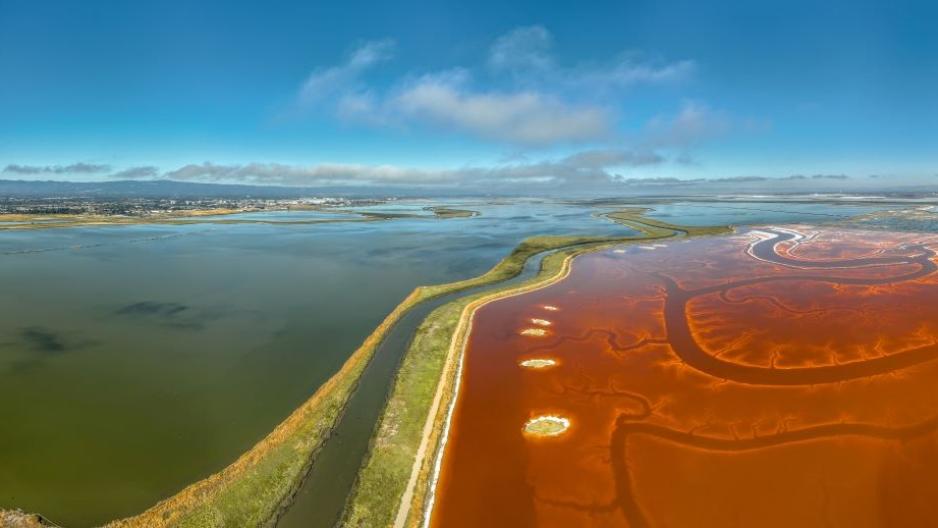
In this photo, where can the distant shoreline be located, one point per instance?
(21, 221)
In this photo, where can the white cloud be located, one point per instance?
(526, 53)
(693, 124)
(524, 117)
(524, 48)
(326, 83)
(629, 71)
(136, 173)
(74, 168)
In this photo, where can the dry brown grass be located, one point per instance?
(18, 519)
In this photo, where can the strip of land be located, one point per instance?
(212, 216)
(18, 519)
(257, 487)
(394, 483)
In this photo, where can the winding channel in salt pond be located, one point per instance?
(707, 382)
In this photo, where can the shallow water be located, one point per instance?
(742, 213)
(321, 499)
(281, 216)
(135, 360)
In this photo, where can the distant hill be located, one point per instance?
(169, 189)
(761, 188)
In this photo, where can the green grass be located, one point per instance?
(383, 478)
(449, 212)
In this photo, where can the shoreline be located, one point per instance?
(378, 494)
(27, 222)
(457, 350)
(468, 495)
(259, 485)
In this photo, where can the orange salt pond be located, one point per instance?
(774, 377)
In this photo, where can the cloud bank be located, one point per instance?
(598, 170)
(74, 168)
(136, 173)
(584, 167)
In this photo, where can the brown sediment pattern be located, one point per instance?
(775, 377)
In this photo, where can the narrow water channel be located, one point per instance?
(323, 494)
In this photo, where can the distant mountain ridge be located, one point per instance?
(173, 189)
(128, 189)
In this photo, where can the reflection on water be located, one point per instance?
(775, 377)
(137, 359)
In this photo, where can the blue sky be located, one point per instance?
(470, 93)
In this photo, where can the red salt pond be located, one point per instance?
(774, 377)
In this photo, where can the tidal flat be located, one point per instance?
(136, 359)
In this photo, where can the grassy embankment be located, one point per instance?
(254, 489)
(427, 374)
(15, 221)
(18, 519)
(448, 212)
